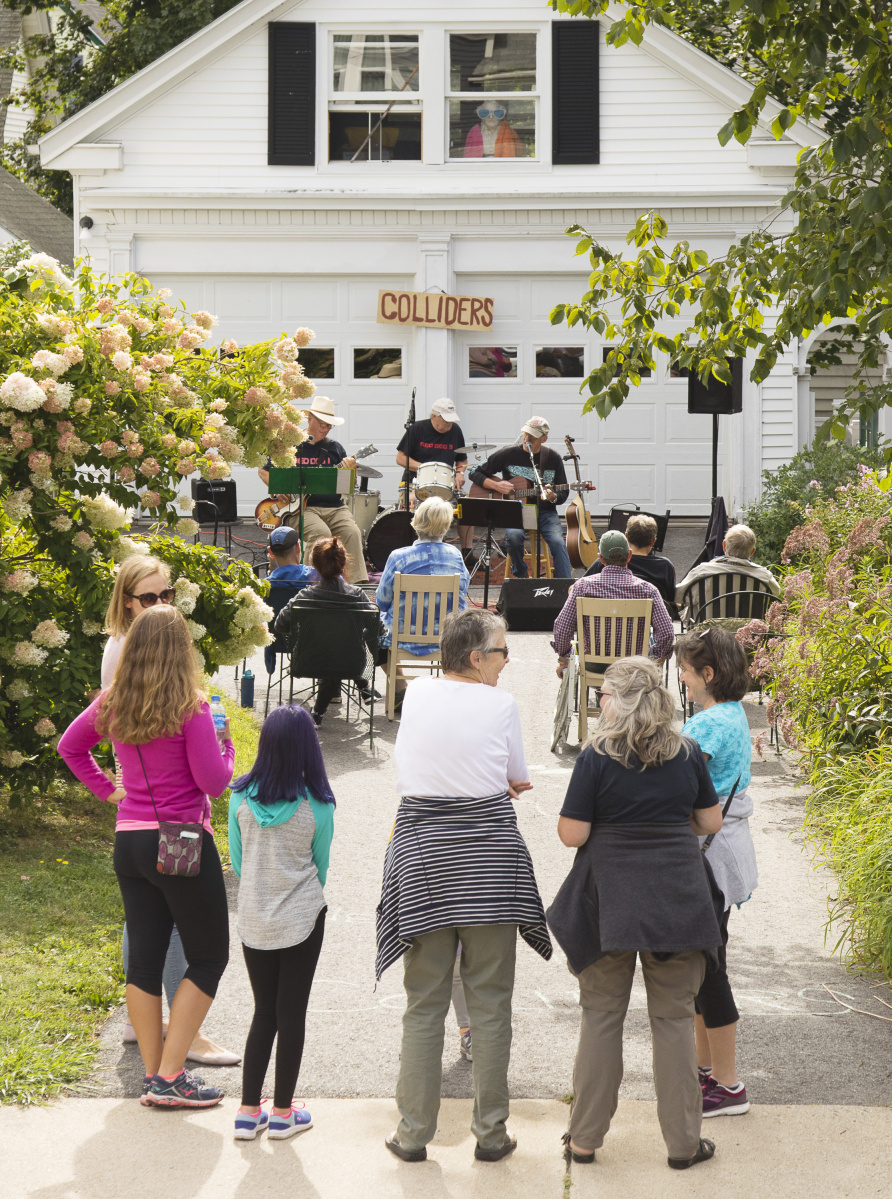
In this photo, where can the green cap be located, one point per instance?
(612, 543)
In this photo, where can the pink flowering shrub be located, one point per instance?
(100, 395)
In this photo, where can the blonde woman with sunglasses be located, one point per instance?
(144, 582)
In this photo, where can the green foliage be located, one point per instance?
(830, 673)
(824, 262)
(76, 63)
(790, 490)
(105, 383)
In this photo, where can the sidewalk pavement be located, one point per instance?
(116, 1149)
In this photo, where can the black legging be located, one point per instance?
(715, 999)
(281, 980)
(154, 902)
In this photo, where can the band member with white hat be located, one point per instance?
(514, 461)
(325, 515)
(437, 440)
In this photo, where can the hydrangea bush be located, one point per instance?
(825, 651)
(111, 396)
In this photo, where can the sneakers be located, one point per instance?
(248, 1126)
(720, 1101)
(282, 1127)
(704, 1074)
(183, 1091)
(464, 1045)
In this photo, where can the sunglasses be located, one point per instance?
(499, 649)
(499, 113)
(148, 598)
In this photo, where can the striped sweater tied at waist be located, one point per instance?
(455, 862)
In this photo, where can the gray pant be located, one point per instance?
(604, 991)
(462, 1019)
(487, 970)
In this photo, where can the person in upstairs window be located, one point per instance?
(493, 137)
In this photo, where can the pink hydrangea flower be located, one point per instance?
(73, 354)
(210, 440)
(109, 449)
(169, 440)
(45, 727)
(83, 541)
(186, 447)
(21, 438)
(112, 388)
(136, 449)
(204, 320)
(150, 499)
(105, 305)
(186, 466)
(40, 462)
(82, 405)
(126, 474)
(149, 467)
(303, 336)
(141, 380)
(218, 469)
(121, 360)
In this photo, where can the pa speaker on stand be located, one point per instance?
(715, 398)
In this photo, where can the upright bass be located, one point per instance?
(582, 544)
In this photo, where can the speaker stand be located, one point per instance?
(715, 455)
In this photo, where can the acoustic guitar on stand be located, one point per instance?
(270, 512)
(582, 544)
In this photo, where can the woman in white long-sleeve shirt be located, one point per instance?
(458, 870)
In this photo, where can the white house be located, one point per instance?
(238, 170)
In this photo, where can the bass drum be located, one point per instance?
(388, 533)
(363, 506)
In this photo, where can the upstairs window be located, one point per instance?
(493, 100)
(374, 107)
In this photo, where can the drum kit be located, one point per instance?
(388, 530)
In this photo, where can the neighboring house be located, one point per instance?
(26, 216)
(238, 170)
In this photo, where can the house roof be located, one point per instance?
(88, 124)
(28, 217)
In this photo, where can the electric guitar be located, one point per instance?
(582, 544)
(272, 511)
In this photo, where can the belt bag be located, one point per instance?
(179, 845)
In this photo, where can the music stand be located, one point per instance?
(310, 480)
(501, 514)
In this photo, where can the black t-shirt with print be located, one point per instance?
(513, 461)
(321, 453)
(423, 443)
(603, 791)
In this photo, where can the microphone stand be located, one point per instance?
(541, 487)
(407, 472)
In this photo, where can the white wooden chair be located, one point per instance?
(611, 629)
(431, 598)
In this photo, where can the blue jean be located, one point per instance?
(550, 528)
(175, 963)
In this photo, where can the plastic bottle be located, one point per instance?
(219, 714)
(248, 689)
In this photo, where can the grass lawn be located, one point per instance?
(60, 930)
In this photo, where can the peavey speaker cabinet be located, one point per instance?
(215, 501)
(532, 605)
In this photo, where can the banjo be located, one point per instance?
(273, 510)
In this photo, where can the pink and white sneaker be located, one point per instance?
(720, 1101)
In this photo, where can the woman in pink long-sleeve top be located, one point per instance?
(154, 711)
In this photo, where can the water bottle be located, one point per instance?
(219, 714)
(248, 689)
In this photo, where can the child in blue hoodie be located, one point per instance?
(281, 821)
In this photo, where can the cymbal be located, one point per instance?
(367, 472)
(474, 447)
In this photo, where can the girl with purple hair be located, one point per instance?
(280, 829)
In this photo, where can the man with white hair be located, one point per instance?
(739, 546)
(437, 440)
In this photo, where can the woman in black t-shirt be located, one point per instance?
(639, 796)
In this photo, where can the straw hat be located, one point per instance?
(323, 408)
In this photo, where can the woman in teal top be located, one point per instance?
(714, 669)
(281, 820)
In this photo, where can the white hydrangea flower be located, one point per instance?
(196, 630)
(102, 512)
(18, 689)
(187, 527)
(186, 595)
(26, 653)
(21, 392)
(185, 503)
(11, 758)
(48, 270)
(62, 522)
(49, 634)
(215, 420)
(124, 548)
(92, 628)
(17, 505)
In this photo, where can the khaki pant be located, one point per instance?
(324, 522)
(604, 990)
(487, 970)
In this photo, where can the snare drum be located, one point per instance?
(363, 506)
(390, 531)
(435, 478)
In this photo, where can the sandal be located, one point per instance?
(704, 1152)
(570, 1153)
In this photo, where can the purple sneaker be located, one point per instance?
(704, 1076)
(281, 1127)
(719, 1101)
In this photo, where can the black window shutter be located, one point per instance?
(574, 92)
(292, 94)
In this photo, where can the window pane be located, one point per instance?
(492, 362)
(560, 362)
(375, 62)
(492, 128)
(397, 139)
(492, 62)
(645, 371)
(318, 363)
(377, 364)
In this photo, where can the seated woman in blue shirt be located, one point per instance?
(429, 555)
(713, 668)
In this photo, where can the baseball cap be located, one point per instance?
(444, 408)
(612, 542)
(536, 426)
(283, 538)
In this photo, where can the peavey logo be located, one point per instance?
(539, 591)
